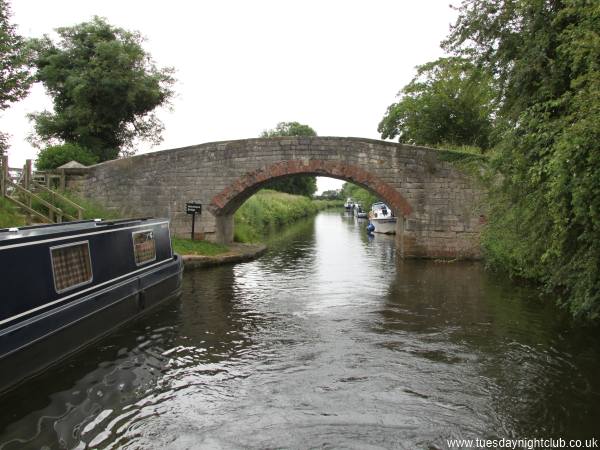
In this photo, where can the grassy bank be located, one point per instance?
(205, 248)
(360, 195)
(9, 215)
(92, 209)
(267, 210)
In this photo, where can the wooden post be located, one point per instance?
(63, 180)
(3, 175)
(27, 177)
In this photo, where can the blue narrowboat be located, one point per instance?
(63, 286)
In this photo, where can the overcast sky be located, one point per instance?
(243, 66)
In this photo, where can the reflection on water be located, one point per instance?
(326, 341)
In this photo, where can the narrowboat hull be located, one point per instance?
(64, 286)
(31, 346)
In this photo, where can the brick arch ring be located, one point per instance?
(232, 197)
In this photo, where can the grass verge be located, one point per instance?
(92, 210)
(205, 248)
(9, 215)
(268, 210)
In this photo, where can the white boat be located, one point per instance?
(349, 203)
(359, 212)
(382, 218)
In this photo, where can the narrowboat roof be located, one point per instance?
(13, 235)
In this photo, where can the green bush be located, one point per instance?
(270, 209)
(298, 185)
(55, 156)
(544, 208)
(358, 194)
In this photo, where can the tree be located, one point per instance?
(104, 87)
(332, 194)
(359, 194)
(15, 76)
(298, 184)
(545, 216)
(449, 102)
(55, 156)
(289, 129)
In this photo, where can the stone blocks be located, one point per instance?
(440, 205)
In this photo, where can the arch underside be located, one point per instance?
(233, 196)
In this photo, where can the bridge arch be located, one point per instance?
(233, 196)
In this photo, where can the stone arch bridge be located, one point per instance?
(438, 206)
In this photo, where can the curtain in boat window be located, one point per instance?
(144, 247)
(71, 266)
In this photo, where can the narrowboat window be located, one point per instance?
(71, 266)
(144, 247)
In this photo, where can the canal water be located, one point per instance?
(327, 341)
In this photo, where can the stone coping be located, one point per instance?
(237, 253)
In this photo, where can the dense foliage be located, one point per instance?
(15, 77)
(104, 88)
(332, 194)
(57, 155)
(545, 213)
(267, 210)
(298, 184)
(289, 129)
(360, 195)
(448, 103)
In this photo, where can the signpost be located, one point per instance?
(193, 208)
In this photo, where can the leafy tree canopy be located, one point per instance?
(298, 184)
(361, 195)
(545, 217)
(15, 77)
(332, 194)
(55, 156)
(448, 102)
(104, 87)
(289, 129)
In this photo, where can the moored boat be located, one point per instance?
(349, 204)
(66, 285)
(382, 218)
(359, 212)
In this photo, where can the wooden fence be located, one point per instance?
(36, 192)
